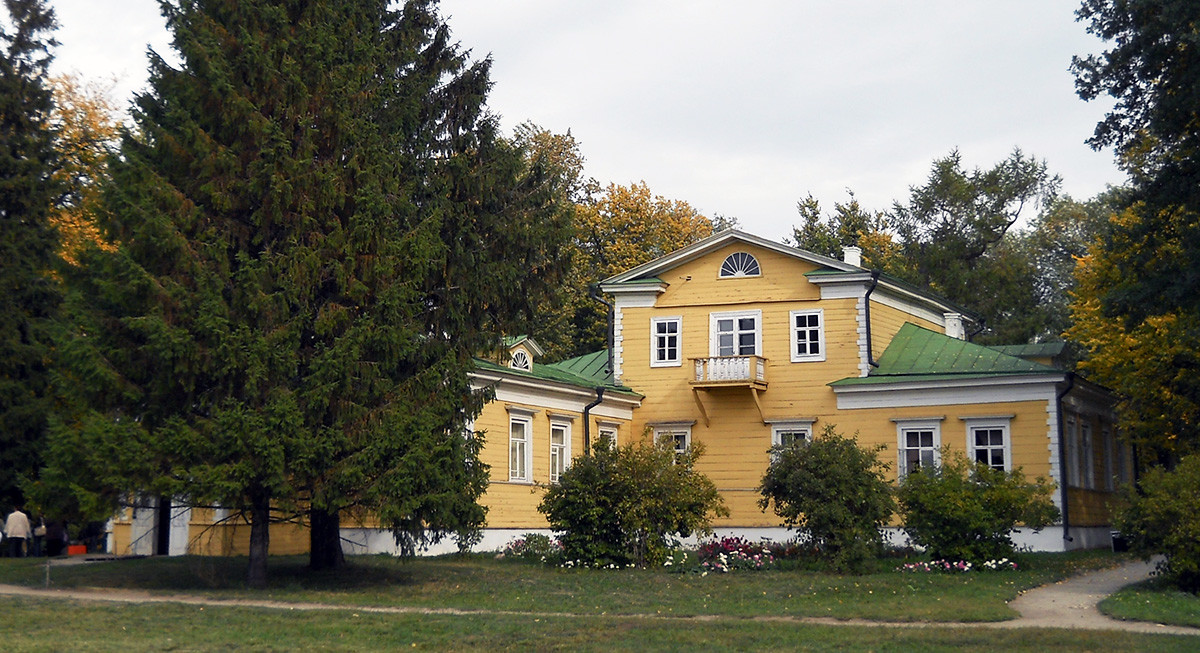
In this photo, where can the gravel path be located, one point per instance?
(1066, 604)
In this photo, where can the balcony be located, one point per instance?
(730, 372)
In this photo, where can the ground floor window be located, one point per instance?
(919, 444)
(786, 433)
(607, 433)
(679, 436)
(520, 447)
(988, 441)
(560, 449)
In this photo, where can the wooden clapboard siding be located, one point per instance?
(886, 322)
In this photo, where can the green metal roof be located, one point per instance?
(1035, 350)
(593, 366)
(916, 353)
(587, 371)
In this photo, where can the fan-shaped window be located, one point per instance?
(740, 264)
(520, 361)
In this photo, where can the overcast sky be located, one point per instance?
(744, 108)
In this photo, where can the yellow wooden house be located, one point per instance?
(741, 343)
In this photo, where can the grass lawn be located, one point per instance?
(1154, 601)
(482, 583)
(42, 625)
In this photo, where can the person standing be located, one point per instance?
(16, 529)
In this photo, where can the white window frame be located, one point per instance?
(906, 426)
(714, 342)
(520, 450)
(797, 357)
(560, 453)
(673, 431)
(802, 426)
(655, 361)
(1087, 455)
(1002, 423)
(521, 360)
(610, 431)
(1110, 452)
(738, 269)
(1072, 435)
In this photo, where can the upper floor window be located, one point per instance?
(520, 361)
(664, 341)
(736, 334)
(808, 335)
(740, 264)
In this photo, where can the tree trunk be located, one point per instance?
(325, 540)
(260, 539)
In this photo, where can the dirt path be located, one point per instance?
(1067, 604)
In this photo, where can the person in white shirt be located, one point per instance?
(17, 531)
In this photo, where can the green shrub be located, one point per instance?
(1162, 516)
(834, 492)
(622, 506)
(962, 510)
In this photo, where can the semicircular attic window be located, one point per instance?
(740, 264)
(520, 361)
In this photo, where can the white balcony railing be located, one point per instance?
(730, 370)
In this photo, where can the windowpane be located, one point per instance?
(518, 443)
(919, 449)
(988, 445)
(737, 336)
(666, 341)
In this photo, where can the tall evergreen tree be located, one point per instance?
(317, 228)
(29, 295)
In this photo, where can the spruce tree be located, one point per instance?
(318, 227)
(29, 295)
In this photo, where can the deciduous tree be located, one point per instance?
(1152, 70)
(87, 120)
(1152, 364)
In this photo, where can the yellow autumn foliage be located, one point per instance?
(1153, 365)
(86, 118)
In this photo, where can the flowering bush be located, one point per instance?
(722, 556)
(534, 546)
(959, 566)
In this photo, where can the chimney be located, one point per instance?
(852, 255)
(954, 325)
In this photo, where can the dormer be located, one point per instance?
(522, 350)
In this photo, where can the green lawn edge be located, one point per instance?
(1153, 601)
(44, 624)
(481, 583)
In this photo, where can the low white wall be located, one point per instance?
(358, 541)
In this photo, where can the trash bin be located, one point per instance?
(1119, 543)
